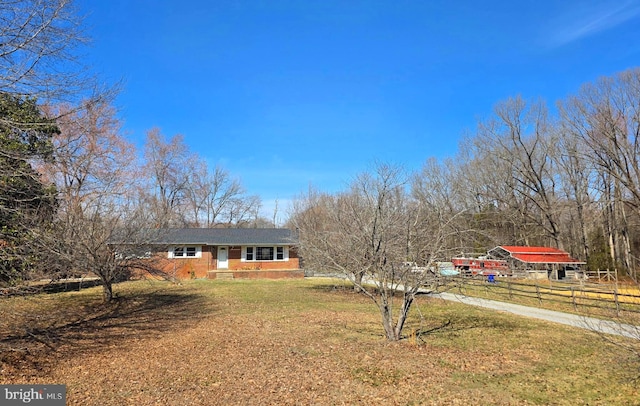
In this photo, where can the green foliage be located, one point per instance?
(599, 258)
(25, 202)
(24, 132)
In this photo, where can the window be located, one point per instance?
(188, 251)
(264, 253)
(280, 253)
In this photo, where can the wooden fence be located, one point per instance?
(603, 275)
(580, 294)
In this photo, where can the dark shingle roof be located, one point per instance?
(225, 236)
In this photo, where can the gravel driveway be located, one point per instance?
(589, 323)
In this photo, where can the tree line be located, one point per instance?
(529, 175)
(73, 190)
(567, 177)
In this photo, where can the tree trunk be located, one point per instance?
(358, 281)
(387, 320)
(583, 232)
(609, 219)
(625, 250)
(107, 291)
(391, 333)
(402, 317)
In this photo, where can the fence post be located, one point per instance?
(615, 298)
(510, 292)
(538, 293)
(573, 298)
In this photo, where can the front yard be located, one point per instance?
(308, 341)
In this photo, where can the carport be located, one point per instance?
(539, 262)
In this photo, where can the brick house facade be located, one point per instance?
(226, 252)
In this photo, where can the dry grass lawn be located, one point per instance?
(306, 342)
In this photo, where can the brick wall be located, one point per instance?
(261, 274)
(187, 268)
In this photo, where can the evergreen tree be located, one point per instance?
(26, 204)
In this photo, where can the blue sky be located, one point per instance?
(288, 94)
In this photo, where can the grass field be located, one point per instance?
(309, 342)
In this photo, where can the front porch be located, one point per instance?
(255, 274)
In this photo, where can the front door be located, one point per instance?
(223, 258)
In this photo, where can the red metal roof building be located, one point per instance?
(553, 260)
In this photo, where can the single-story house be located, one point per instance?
(218, 253)
(538, 262)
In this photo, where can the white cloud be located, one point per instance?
(574, 28)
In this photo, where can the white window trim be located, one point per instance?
(243, 257)
(170, 253)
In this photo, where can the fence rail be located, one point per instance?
(614, 297)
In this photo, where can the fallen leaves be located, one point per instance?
(225, 344)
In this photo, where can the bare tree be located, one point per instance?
(90, 155)
(484, 189)
(38, 39)
(373, 234)
(275, 213)
(576, 184)
(167, 164)
(503, 213)
(93, 172)
(520, 136)
(215, 198)
(605, 116)
(446, 189)
(245, 212)
(183, 191)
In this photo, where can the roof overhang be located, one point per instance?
(537, 255)
(546, 260)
